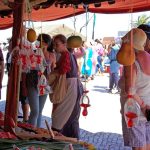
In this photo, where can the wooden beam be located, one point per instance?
(11, 108)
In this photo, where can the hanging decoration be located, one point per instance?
(43, 86)
(31, 35)
(74, 41)
(31, 56)
(23, 58)
(85, 101)
(126, 55)
(132, 109)
(131, 112)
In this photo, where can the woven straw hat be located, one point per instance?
(137, 37)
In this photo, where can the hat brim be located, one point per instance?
(138, 47)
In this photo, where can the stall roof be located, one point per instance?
(53, 30)
(46, 10)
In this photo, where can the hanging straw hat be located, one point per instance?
(136, 37)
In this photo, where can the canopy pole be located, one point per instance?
(94, 22)
(11, 108)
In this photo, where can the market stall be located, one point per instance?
(13, 13)
(59, 9)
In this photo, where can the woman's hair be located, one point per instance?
(46, 39)
(60, 37)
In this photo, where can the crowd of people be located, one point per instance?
(63, 68)
(98, 59)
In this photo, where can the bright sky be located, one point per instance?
(106, 24)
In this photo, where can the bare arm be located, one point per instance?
(53, 58)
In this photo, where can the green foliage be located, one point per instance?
(143, 19)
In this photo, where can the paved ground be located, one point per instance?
(102, 126)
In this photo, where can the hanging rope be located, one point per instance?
(29, 16)
(131, 36)
(85, 101)
(41, 35)
(86, 12)
(74, 22)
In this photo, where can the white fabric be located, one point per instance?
(142, 85)
(62, 113)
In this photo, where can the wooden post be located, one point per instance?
(11, 108)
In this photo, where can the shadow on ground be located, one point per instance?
(102, 89)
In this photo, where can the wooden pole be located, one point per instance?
(11, 107)
(94, 21)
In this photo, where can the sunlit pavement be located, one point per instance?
(102, 125)
(104, 112)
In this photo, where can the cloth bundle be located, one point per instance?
(59, 87)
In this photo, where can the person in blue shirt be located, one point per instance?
(114, 67)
